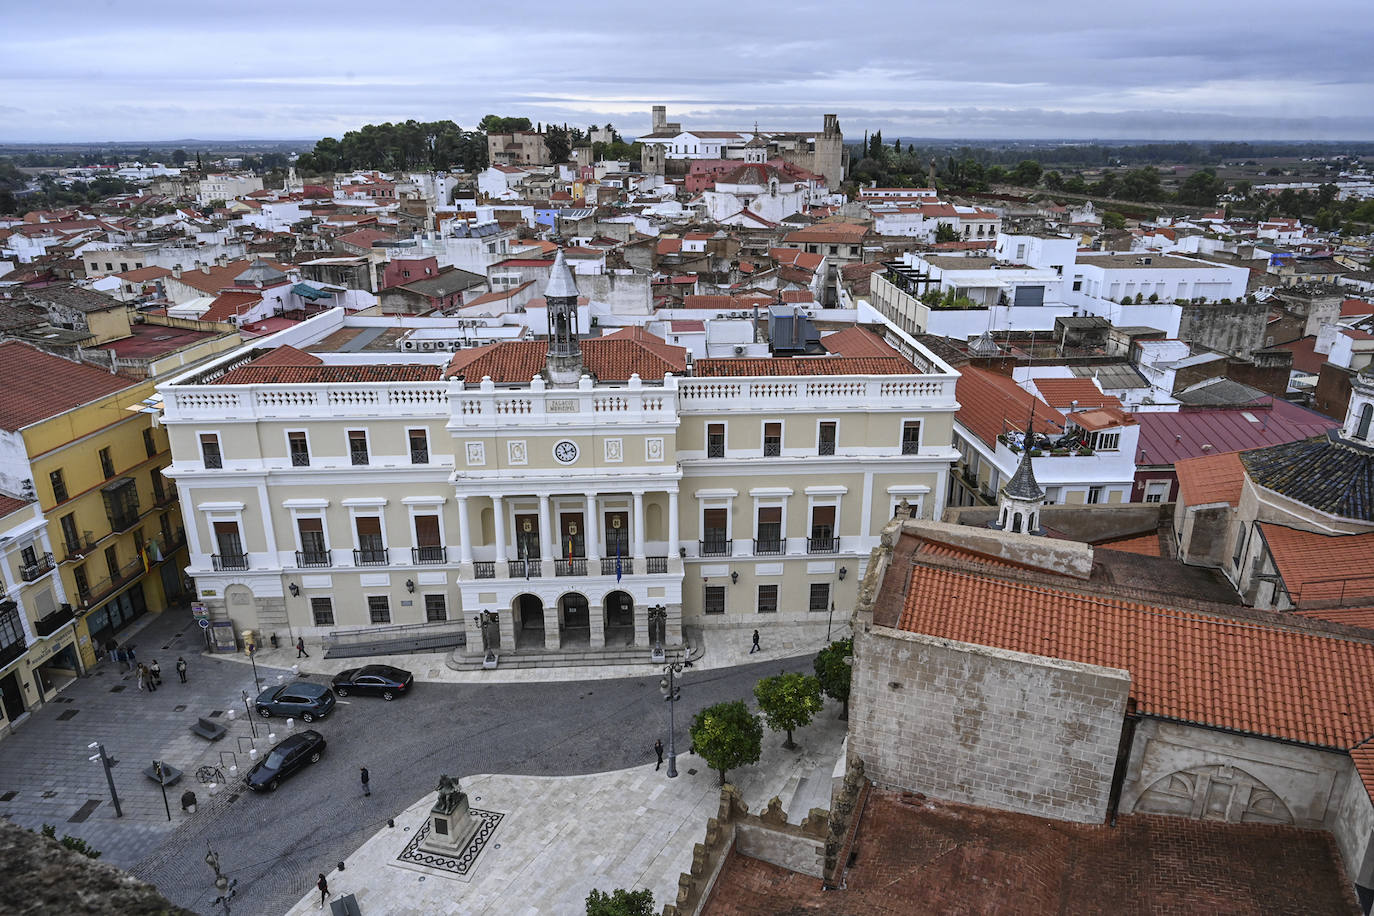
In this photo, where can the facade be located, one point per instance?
(520, 147)
(551, 493)
(226, 187)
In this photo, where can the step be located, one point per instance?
(562, 658)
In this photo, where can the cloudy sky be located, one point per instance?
(154, 70)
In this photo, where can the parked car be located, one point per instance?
(379, 680)
(300, 699)
(285, 759)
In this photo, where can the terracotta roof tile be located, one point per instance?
(35, 385)
(1231, 674)
(1063, 392)
(1146, 545)
(856, 341)
(9, 504)
(323, 375)
(1210, 479)
(228, 305)
(803, 365)
(1348, 616)
(220, 278)
(989, 404)
(1321, 568)
(287, 355)
(606, 359)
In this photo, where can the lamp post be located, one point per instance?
(248, 712)
(252, 658)
(161, 775)
(109, 777)
(830, 619)
(671, 693)
(658, 621)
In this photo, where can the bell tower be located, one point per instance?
(563, 364)
(1019, 501)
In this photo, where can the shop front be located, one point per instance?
(105, 622)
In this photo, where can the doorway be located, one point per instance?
(572, 544)
(529, 620)
(12, 697)
(575, 619)
(620, 619)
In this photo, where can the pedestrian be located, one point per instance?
(156, 671)
(141, 676)
(181, 669)
(366, 789)
(300, 647)
(119, 657)
(129, 651)
(323, 885)
(658, 749)
(149, 679)
(755, 647)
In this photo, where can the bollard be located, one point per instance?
(295, 670)
(280, 678)
(272, 737)
(188, 801)
(229, 715)
(212, 788)
(290, 724)
(252, 753)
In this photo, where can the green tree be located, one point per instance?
(1201, 189)
(1026, 173)
(179, 157)
(944, 232)
(1075, 184)
(727, 735)
(75, 844)
(620, 902)
(1113, 220)
(495, 124)
(834, 670)
(875, 145)
(788, 702)
(1054, 181)
(558, 143)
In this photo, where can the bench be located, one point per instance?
(170, 774)
(208, 729)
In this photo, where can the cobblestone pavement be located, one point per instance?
(274, 845)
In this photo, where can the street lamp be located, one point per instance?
(109, 777)
(671, 693)
(252, 657)
(831, 618)
(248, 713)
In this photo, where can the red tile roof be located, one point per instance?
(1356, 307)
(612, 360)
(803, 365)
(856, 341)
(1210, 479)
(677, 356)
(668, 246)
(1349, 616)
(1102, 418)
(828, 233)
(1193, 667)
(1146, 545)
(1305, 355)
(9, 504)
(220, 278)
(1321, 568)
(727, 303)
(287, 355)
(990, 404)
(1167, 438)
(35, 385)
(320, 375)
(686, 326)
(227, 305)
(363, 238)
(1064, 392)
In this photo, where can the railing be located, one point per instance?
(303, 401)
(375, 556)
(428, 555)
(123, 521)
(573, 567)
(911, 448)
(825, 447)
(300, 459)
(12, 652)
(772, 449)
(698, 395)
(484, 569)
(358, 457)
(768, 547)
(828, 544)
(715, 448)
(79, 549)
(656, 564)
(419, 456)
(627, 566)
(395, 638)
(46, 626)
(715, 547)
(165, 496)
(525, 569)
(30, 571)
(305, 559)
(229, 560)
(92, 595)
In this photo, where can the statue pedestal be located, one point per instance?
(451, 826)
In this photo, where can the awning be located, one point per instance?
(306, 291)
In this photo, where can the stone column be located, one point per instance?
(546, 540)
(673, 540)
(593, 535)
(506, 624)
(596, 617)
(498, 512)
(642, 637)
(553, 639)
(639, 531)
(471, 623)
(464, 531)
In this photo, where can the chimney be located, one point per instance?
(205, 268)
(176, 271)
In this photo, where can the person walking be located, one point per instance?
(149, 679)
(181, 669)
(367, 790)
(119, 657)
(658, 749)
(133, 656)
(156, 671)
(323, 885)
(300, 647)
(141, 676)
(755, 647)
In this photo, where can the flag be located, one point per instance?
(156, 552)
(617, 560)
(143, 555)
(570, 547)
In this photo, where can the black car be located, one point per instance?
(285, 759)
(299, 699)
(379, 680)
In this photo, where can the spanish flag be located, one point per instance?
(143, 555)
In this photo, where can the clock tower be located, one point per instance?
(563, 364)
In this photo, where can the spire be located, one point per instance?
(563, 364)
(1023, 484)
(1019, 502)
(561, 284)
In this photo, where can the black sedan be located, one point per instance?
(379, 680)
(299, 699)
(285, 759)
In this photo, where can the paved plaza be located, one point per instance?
(523, 724)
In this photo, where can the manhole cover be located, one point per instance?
(49, 794)
(234, 797)
(7, 796)
(67, 714)
(216, 714)
(692, 771)
(117, 688)
(84, 811)
(181, 708)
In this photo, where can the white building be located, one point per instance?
(226, 187)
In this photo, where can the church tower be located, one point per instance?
(563, 365)
(1359, 415)
(1019, 502)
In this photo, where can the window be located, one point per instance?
(822, 538)
(357, 446)
(59, 485)
(715, 440)
(83, 586)
(121, 503)
(371, 550)
(106, 463)
(1240, 545)
(123, 266)
(772, 440)
(230, 545)
(313, 549)
(70, 534)
(770, 531)
(825, 438)
(149, 444)
(428, 544)
(820, 597)
(155, 477)
(112, 561)
(768, 599)
(1156, 490)
(1077, 284)
(11, 630)
(378, 609)
(209, 450)
(1051, 496)
(419, 446)
(299, 447)
(322, 609)
(1105, 442)
(1094, 495)
(1366, 413)
(911, 437)
(715, 599)
(715, 532)
(436, 609)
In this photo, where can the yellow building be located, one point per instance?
(105, 550)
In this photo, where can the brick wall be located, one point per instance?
(986, 726)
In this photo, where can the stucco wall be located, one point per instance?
(986, 726)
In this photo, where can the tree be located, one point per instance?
(727, 735)
(557, 142)
(179, 157)
(944, 232)
(620, 902)
(875, 145)
(75, 844)
(1113, 220)
(834, 670)
(1027, 173)
(788, 702)
(1201, 189)
(1054, 181)
(495, 124)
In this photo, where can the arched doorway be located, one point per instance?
(529, 621)
(574, 618)
(620, 619)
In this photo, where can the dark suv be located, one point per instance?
(285, 759)
(379, 680)
(299, 699)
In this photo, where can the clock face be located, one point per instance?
(565, 451)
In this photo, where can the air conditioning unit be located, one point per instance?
(409, 345)
(455, 345)
(739, 351)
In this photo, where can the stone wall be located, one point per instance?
(986, 726)
(1236, 328)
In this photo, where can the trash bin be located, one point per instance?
(247, 637)
(274, 640)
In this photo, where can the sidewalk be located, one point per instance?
(724, 646)
(560, 837)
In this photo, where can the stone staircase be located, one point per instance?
(564, 658)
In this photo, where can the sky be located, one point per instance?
(101, 70)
